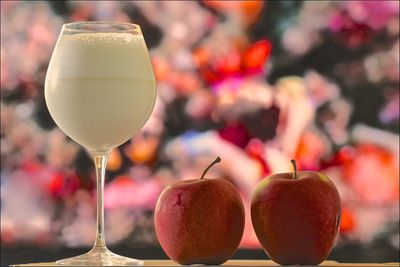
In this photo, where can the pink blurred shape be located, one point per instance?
(126, 192)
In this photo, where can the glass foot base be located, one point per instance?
(100, 257)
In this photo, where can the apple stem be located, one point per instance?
(295, 168)
(218, 159)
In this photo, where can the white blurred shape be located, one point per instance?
(26, 209)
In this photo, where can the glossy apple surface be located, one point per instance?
(199, 221)
(296, 220)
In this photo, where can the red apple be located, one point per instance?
(199, 221)
(296, 216)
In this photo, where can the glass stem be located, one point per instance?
(100, 162)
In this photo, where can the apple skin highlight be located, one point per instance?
(296, 217)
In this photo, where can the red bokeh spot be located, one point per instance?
(235, 133)
(256, 56)
(350, 32)
(255, 150)
(63, 185)
(123, 180)
(229, 65)
(32, 166)
(7, 236)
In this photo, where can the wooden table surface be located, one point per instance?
(248, 263)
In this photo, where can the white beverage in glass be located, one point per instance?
(100, 90)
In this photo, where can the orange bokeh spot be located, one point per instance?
(201, 56)
(250, 9)
(142, 150)
(161, 68)
(309, 151)
(114, 160)
(372, 173)
(348, 222)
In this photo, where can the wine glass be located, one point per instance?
(100, 90)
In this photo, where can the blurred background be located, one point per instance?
(256, 83)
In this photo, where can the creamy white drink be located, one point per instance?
(100, 87)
